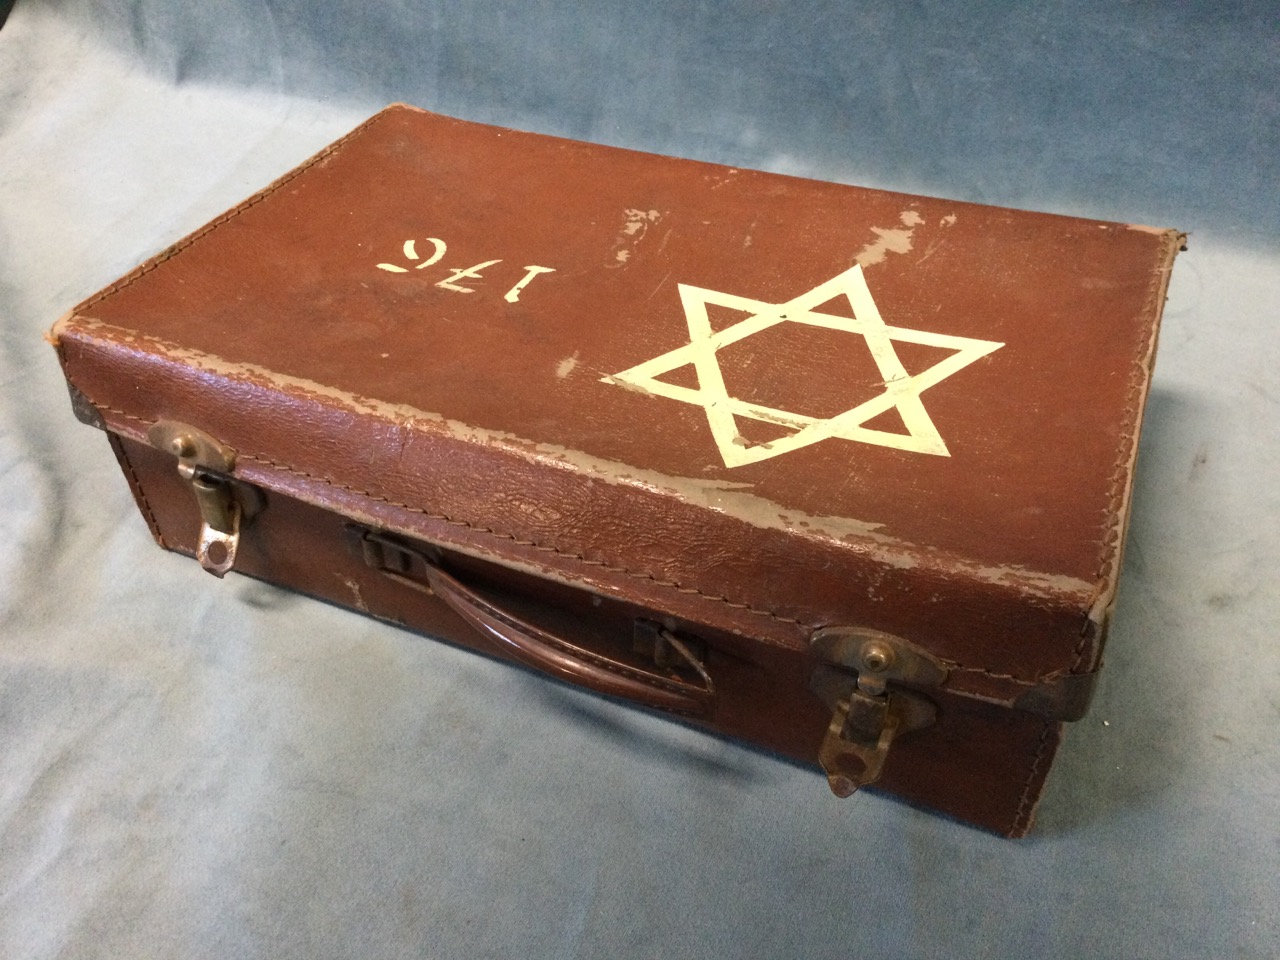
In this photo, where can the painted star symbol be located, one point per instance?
(901, 389)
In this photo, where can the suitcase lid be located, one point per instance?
(777, 403)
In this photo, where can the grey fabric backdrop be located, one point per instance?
(195, 769)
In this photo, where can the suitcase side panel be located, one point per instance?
(979, 763)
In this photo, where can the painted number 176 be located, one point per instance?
(458, 277)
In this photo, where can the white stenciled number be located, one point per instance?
(532, 271)
(467, 273)
(453, 280)
(411, 253)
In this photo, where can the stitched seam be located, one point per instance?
(235, 211)
(479, 529)
(547, 548)
(141, 494)
(553, 549)
(952, 665)
(1024, 802)
(1111, 533)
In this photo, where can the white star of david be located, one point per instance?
(901, 390)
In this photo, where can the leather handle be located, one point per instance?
(544, 651)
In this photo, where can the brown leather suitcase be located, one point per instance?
(840, 472)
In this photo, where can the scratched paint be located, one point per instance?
(889, 240)
(635, 225)
(566, 366)
(732, 499)
(902, 390)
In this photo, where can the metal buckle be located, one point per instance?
(206, 465)
(867, 715)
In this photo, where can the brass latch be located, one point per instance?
(206, 465)
(857, 665)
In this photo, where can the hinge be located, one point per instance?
(206, 465)
(853, 678)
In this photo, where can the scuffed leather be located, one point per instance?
(453, 404)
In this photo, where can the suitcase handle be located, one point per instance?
(537, 648)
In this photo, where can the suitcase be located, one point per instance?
(839, 472)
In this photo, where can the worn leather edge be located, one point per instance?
(87, 413)
(110, 338)
(1024, 817)
(1055, 696)
(135, 486)
(83, 410)
(1005, 696)
(1116, 519)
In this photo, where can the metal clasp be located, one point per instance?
(857, 665)
(206, 465)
